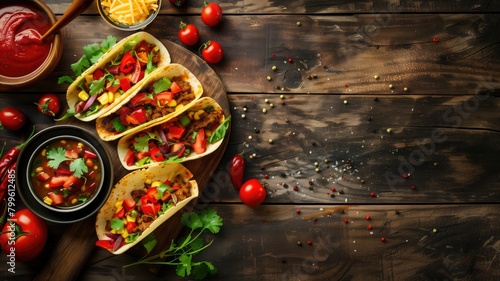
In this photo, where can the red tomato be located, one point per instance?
(188, 34)
(211, 14)
(49, 104)
(252, 193)
(12, 118)
(30, 236)
(212, 52)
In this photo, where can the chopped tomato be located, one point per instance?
(142, 47)
(157, 155)
(139, 99)
(200, 144)
(57, 181)
(56, 198)
(128, 203)
(139, 115)
(71, 154)
(163, 98)
(176, 132)
(43, 176)
(120, 214)
(73, 182)
(98, 74)
(146, 199)
(128, 63)
(152, 191)
(148, 209)
(129, 158)
(175, 88)
(113, 88)
(105, 243)
(130, 226)
(124, 112)
(125, 84)
(87, 154)
(138, 73)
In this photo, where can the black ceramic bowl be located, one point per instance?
(25, 164)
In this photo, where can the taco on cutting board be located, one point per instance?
(162, 95)
(140, 202)
(196, 132)
(115, 75)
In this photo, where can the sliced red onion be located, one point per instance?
(173, 153)
(164, 147)
(118, 243)
(89, 102)
(112, 236)
(114, 69)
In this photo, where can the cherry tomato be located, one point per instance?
(237, 170)
(188, 34)
(49, 104)
(212, 52)
(30, 236)
(12, 118)
(252, 193)
(177, 3)
(211, 14)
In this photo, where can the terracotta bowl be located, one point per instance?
(54, 55)
(85, 205)
(126, 27)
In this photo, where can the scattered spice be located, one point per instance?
(295, 188)
(266, 176)
(405, 175)
(332, 189)
(345, 101)
(299, 243)
(269, 78)
(391, 86)
(298, 23)
(368, 217)
(372, 194)
(290, 60)
(413, 187)
(271, 141)
(382, 239)
(389, 130)
(405, 89)
(250, 137)
(369, 227)
(397, 212)
(282, 97)
(375, 77)
(435, 40)
(264, 110)
(297, 211)
(346, 220)
(309, 242)
(274, 67)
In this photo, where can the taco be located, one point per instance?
(115, 75)
(196, 132)
(140, 202)
(162, 95)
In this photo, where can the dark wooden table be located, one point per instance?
(387, 109)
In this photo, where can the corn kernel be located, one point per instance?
(155, 183)
(111, 97)
(125, 233)
(113, 231)
(74, 201)
(116, 95)
(103, 99)
(119, 204)
(148, 181)
(179, 107)
(197, 115)
(130, 219)
(172, 103)
(83, 95)
(89, 78)
(47, 200)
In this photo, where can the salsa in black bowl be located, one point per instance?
(64, 174)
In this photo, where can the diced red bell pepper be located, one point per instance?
(57, 199)
(176, 132)
(42, 176)
(130, 226)
(125, 84)
(120, 214)
(139, 115)
(98, 74)
(128, 63)
(152, 191)
(113, 88)
(57, 181)
(148, 209)
(138, 73)
(175, 88)
(146, 199)
(163, 98)
(129, 158)
(105, 243)
(124, 112)
(156, 154)
(128, 203)
(200, 144)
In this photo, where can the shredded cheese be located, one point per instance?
(129, 12)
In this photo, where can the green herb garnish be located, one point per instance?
(57, 155)
(220, 132)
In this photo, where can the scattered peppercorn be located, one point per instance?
(341, 192)
(271, 141)
(309, 242)
(332, 189)
(375, 77)
(317, 170)
(250, 137)
(375, 99)
(257, 131)
(346, 220)
(332, 195)
(295, 188)
(405, 89)
(297, 211)
(282, 97)
(382, 239)
(243, 116)
(370, 119)
(405, 175)
(269, 78)
(389, 130)
(290, 60)
(264, 110)
(298, 23)
(435, 40)
(299, 243)
(368, 217)
(391, 86)
(372, 194)
(397, 212)
(282, 103)
(413, 187)
(285, 185)
(345, 102)
(274, 67)
(310, 182)
(369, 227)
(266, 176)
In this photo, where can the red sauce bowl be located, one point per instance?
(26, 61)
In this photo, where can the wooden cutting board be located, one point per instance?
(77, 242)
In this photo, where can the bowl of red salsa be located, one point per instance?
(26, 59)
(67, 174)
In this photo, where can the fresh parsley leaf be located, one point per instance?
(192, 220)
(130, 45)
(118, 125)
(56, 157)
(196, 244)
(80, 66)
(211, 220)
(161, 190)
(149, 242)
(132, 237)
(117, 224)
(161, 85)
(184, 266)
(78, 167)
(97, 86)
(142, 142)
(108, 43)
(143, 161)
(220, 132)
(65, 79)
(202, 269)
(149, 66)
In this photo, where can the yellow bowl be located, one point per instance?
(121, 19)
(26, 34)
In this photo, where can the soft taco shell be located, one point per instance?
(167, 71)
(110, 55)
(135, 180)
(202, 103)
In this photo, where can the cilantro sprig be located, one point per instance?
(57, 155)
(181, 252)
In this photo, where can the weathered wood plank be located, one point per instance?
(343, 52)
(435, 242)
(319, 7)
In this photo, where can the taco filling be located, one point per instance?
(153, 101)
(175, 139)
(109, 82)
(138, 210)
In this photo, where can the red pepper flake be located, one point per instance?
(295, 188)
(413, 187)
(372, 194)
(310, 182)
(297, 211)
(369, 227)
(266, 176)
(435, 39)
(273, 55)
(346, 220)
(382, 239)
(309, 242)
(282, 103)
(346, 86)
(332, 189)
(405, 176)
(290, 60)
(368, 217)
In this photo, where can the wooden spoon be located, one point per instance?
(74, 10)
